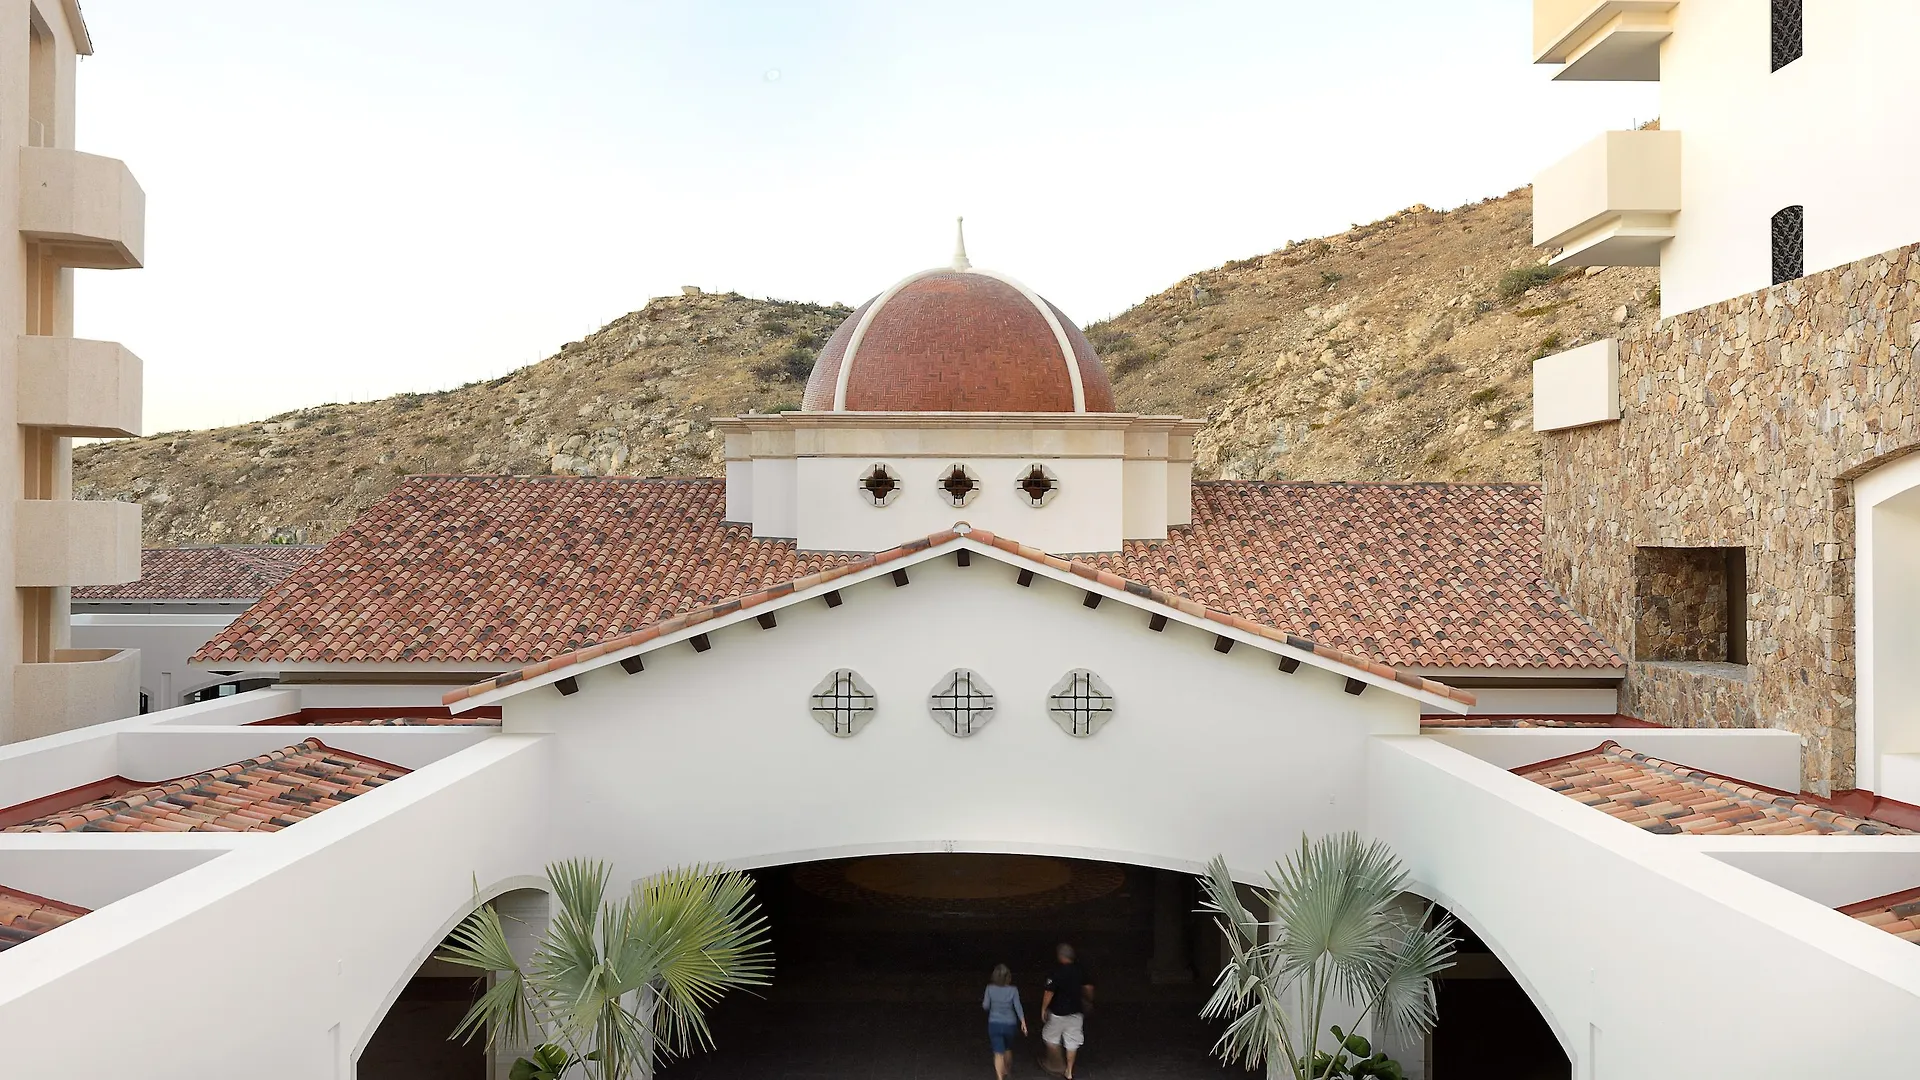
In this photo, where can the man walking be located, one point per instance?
(1063, 1007)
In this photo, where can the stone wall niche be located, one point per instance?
(1690, 604)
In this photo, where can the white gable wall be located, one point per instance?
(715, 756)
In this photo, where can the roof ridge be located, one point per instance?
(1075, 567)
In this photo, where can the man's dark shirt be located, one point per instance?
(1065, 981)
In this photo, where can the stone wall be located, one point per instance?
(1742, 424)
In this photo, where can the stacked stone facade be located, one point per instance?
(1742, 425)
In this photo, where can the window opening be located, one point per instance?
(1038, 484)
(959, 485)
(961, 702)
(1789, 20)
(843, 703)
(1789, 244)
(879, 486)
(1081, 703)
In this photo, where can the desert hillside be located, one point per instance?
(1398, 350)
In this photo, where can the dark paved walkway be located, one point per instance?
(891, 991)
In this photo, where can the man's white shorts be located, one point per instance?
(1064, 1031)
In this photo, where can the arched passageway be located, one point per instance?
(881, 962)
(1488, 1025)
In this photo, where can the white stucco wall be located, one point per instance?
(293, 948)
(1649, 960)
(1886, 614)
(715, 756)
(1828, 131)
(1083, 515)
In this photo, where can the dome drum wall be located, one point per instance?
(1118, 476)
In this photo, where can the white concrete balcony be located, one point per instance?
(1612, 202)
(78, 688)
(1578, 387)
(75, 542)
(1602, 40)
(80, 388)
(85, 210)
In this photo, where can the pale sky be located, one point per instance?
(351, 198)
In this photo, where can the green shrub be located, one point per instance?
(1513, 283)
(1484, 395)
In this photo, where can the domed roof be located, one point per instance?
(957, 339)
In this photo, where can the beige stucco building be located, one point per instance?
(71, 211)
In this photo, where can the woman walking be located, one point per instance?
(1004, 1016)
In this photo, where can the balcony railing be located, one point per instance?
(78, 688)
(1612, 202)
(1602, 40)
(1577, 387)
(81, 388)
(75, 542)
(85, 210)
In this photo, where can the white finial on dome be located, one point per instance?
(960, 245)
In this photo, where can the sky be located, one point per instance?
(351, 198)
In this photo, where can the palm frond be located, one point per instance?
(480, 942)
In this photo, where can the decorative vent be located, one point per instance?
(1037, 485)
(1789, 244)
(1081, 703)
(959, 485)
(1789, 17)
(961, 702)
(843, 703)
(879, 485)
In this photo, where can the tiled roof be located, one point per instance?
(1072, 566)
(205, 573)
(1482, 720)
(24, 916)
(1661, 797)
(507, 571)
(262, 794)
(1896, 913)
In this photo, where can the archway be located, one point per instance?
(881, 961)
(1887, 628)
(411, 1039)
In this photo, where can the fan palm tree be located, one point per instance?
(615, 987)
(1337, 936)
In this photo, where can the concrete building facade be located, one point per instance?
(70, 210)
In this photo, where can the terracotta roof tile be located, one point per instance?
(262, 794)
(1896, 913)
(1146, 592)
(205, 573)
(1662, 797)
(24, 916)
(511, 570)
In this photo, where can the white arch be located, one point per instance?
(515, 883)
(1887, 629)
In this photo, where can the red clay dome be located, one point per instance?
(958, 340)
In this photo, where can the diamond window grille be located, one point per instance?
(1037, 485)
(959, 485)
(843, 703)
(879, 485)
(1081, 703)
(961, 702)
